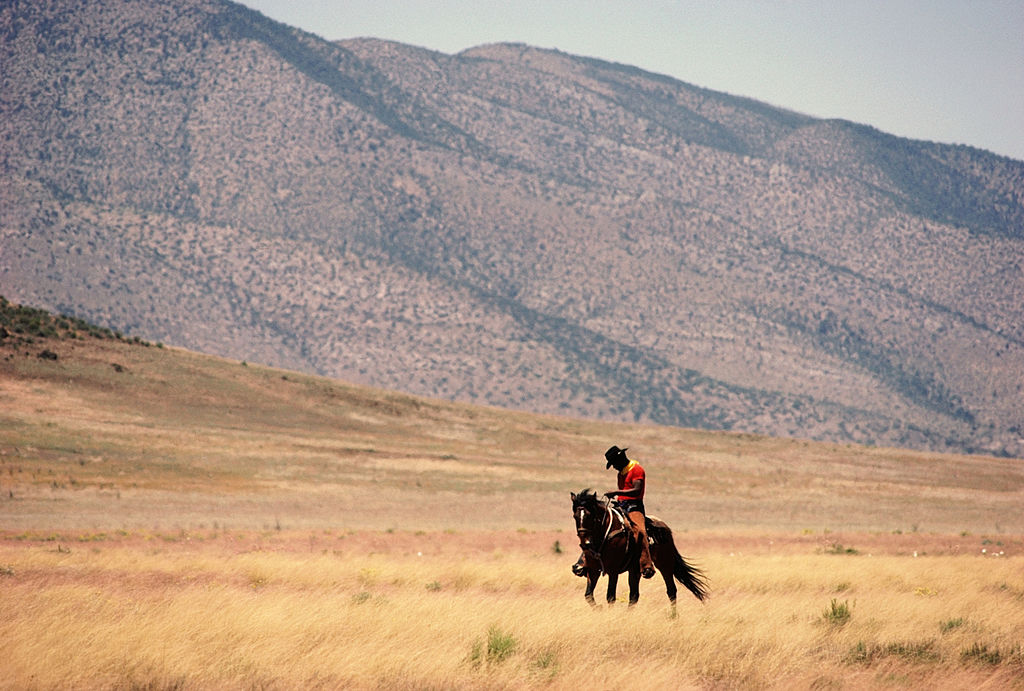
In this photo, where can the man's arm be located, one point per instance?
(633, 492)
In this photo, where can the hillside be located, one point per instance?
(103, 432)
(510, 226)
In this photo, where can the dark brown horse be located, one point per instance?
(608, 547)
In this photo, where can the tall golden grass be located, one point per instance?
(316, 610)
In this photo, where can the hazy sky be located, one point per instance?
(943, 70)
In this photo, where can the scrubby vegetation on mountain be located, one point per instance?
(21, 325)
(507, 225)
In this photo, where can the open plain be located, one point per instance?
(173, 520)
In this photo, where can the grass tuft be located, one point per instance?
(837, 614)
(952, 624)
(499, 646)
(981, 653)
(908, 651)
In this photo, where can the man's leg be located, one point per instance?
(640, 532)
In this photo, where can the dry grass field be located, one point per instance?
(171, 520)
(322, 609)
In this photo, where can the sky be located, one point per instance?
(949, 71)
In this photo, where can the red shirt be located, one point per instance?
(628, 477)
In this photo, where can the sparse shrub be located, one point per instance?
(838, 613)
(557, 547)
(434, 586)
(361, 598)
(837, 548)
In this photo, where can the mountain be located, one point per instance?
(508, 225)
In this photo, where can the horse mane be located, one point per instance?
(586, 497)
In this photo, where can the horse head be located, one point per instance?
(589, 515)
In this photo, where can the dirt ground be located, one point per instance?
(525, 542)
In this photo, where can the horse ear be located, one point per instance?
(573, 495)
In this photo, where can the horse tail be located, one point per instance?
(692, 578)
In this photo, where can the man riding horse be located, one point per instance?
(630, 497)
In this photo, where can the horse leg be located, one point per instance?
(634, 585)
(666, 565)
(613, 583)
(670, 588)
(591, 584)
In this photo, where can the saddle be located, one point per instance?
(654, 526)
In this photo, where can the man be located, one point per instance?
(630, 496)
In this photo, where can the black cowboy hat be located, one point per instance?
(614, 454)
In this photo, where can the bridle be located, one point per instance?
(583, 533)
